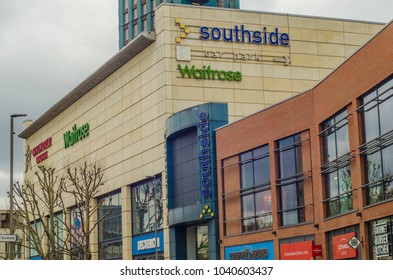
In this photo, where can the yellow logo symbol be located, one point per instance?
(184, 30)
(206, 211)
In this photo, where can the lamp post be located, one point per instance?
(11, 244)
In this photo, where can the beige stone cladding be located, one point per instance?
(127, 110)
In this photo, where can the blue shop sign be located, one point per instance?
(254, 251)
(146, 243)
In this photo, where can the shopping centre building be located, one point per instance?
(311, 177)
(148, 116)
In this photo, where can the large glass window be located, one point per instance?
(147, 205)
(110, 227)
(336, 168)
(290, 181)
(184, 170)
(255, 189)
(58, 238)
(34, 240)
(377, 150)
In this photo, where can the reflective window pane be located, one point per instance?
(386, 114)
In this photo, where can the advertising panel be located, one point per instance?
(146, 244)
(297, 251)
(254, 251)
(341, 248)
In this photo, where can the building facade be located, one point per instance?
(311, 177)
(160, 96)
(136, 16)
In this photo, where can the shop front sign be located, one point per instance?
(341, 248)
(254, 251)
(297, 251)
(381, 239)
(148, 243)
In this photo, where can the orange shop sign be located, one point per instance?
(297, 251)
(341, 248)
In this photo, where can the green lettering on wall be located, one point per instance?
(75, 135)
(206, 73)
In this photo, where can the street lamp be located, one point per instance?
(12, 178)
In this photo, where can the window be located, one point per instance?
(125, 5)
(126, 34)
(377, 151)
(144, 9)
(110, 227)
(34, 240)
(135, 13)
(255, 189)
(135, 30)
(184, 170)
(78, 239)
(290, 181)
(126, 18)
(336, 168)
(146, 200)
(59, 241)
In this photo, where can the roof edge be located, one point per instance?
(133, 48)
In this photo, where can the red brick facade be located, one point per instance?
(303, 114)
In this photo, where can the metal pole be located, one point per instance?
(11, 247)
(155, 214)
(11, 244)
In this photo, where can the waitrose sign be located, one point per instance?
(207, 73)
(75, 135)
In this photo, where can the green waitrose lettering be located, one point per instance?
(206, 73)
(77, 133)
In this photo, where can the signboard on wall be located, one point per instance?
(341, 248)
(253, 251)
(146, 244)
(381, 240)
(297, 251)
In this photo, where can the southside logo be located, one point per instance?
(206, 73)
(77, 133)
(239, 34)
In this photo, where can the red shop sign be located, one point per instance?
(341, 248)
(297, 251)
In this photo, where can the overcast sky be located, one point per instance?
(47, 47)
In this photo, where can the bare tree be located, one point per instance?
(35, 213)
(39, 208)
(84, 188)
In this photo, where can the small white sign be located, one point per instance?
(183, 53)
(354, 242)
(9, 238)
(148, 244)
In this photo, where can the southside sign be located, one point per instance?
(239, 34)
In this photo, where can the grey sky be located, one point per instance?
(47, 47)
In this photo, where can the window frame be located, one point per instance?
(254, 190)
